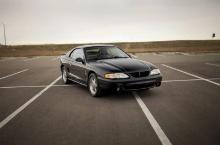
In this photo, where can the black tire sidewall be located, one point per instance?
(67, 81)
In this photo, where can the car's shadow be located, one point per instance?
(111, 94)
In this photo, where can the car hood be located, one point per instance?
(122, 64)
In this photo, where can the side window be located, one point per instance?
(77, 53)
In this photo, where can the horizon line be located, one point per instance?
(111, 42)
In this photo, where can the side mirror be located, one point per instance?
(80, 60)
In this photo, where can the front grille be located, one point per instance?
(139, 74)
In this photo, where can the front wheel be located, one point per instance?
(64, 76)
(93, 85)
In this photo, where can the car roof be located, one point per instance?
(94, 45)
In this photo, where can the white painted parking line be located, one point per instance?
(53, 59)
(39, 86)
(187, 54)
(16, 112)
(187, 80)
(190, 74)
(160, 133)
(158, 54)
(212, 64)
(31, 58)
(43, 86)
(13, 74)
(5, 59)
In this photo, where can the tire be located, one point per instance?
(64, 76)
(93, 85)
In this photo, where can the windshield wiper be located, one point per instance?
(120, 57)
(100, 58)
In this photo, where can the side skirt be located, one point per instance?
(78, 82)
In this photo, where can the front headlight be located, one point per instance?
(116, 76)
(155, 72)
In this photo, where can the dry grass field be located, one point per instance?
(197, 46)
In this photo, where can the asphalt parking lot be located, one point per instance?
(36, 108)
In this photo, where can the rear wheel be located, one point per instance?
(93, 85)
(64, 76)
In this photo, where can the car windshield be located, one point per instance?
(104, 52)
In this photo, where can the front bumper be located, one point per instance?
(131, 83)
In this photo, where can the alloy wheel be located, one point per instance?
(93, 85)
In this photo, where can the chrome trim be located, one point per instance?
(75, 76)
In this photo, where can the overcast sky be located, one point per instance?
(83, 21)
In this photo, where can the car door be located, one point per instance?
(77, 69)
(65, 59)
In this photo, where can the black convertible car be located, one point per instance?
(100, 67)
